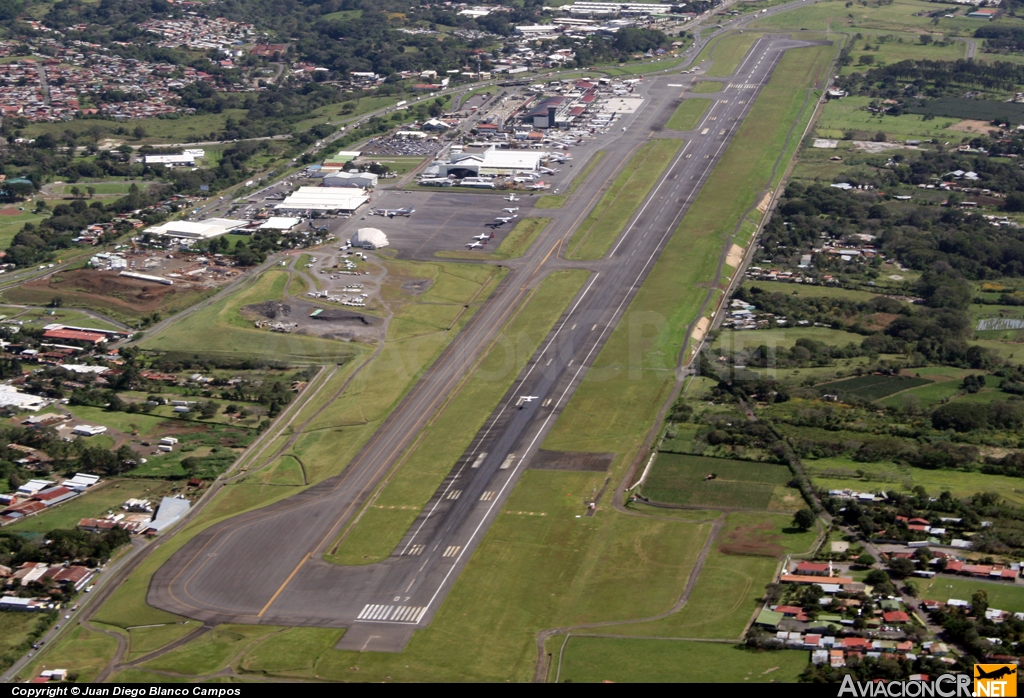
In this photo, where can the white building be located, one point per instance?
(323, 199)
(357, 180)
(196, 230)
(12, 397)
(280, 223)
(369, 238)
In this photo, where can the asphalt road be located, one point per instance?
(265, 566)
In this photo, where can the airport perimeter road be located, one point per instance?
(265, 566)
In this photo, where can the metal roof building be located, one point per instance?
(323, 199)
(196, 230)
(369, 238)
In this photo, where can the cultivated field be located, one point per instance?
(874, 387)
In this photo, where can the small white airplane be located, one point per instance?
(523, 399)
(511, 197)
(511, 210)
(392, 212)
(474, 245)
(483, 236)
(504, 220)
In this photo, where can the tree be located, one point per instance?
(880, 137)
(900, 568)
(979, 603)
(804, 519)
(865, 560)
(876, 577)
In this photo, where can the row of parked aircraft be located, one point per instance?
(481, 240)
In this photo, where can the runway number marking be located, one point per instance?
(487, 496)
(453, 494)
(451, 551)
(416, 549)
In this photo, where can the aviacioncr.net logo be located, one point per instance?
(945, 686)
(995, 680)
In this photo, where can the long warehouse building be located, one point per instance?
(341, 199)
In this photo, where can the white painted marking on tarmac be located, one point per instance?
(507, 462)
(549, 362)
(594, 327)
(487, 496)
(546, 403)
(479, 459)
(674, 84)
(451, 551)
(453, 494)
(415, 549)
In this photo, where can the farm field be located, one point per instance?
(687, 115)
(594, 659)
(96, 502)
(680, 479)
(874, 387)
(611, 214)
(841, 473)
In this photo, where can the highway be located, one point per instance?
(265, 566)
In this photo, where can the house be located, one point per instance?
(814, 569)
(88, 430)
(895, 617)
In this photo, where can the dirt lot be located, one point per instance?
(974, 126)
(752, 540)
(331, 323)
(131, 295)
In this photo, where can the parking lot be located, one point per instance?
(442, 221)
(402, 146)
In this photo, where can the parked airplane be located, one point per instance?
(505, 219)
(473, 245)
(483, 236)
(511, 197)
(511, 210)
(392, 212)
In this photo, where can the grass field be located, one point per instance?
(622, 660)
(727, 53)
(809, 291)
(94, 503)
(210, 652)
(1006, 597)
(850, 115)
(635, 369)
(874, 387)
(558, 200)
(707, 86)
(734, 340)
(82, 651)
(900, 16)
(611, 214)
(185, 129)
(384, 522)
(679, 479)
(12, 225)
(687, 115)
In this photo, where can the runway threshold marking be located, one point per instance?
(487, 496)
(453, 494)
(415, 549)
(451, 551)
(281, 588)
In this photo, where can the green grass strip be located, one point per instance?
(596, 234)
(728, 52)
(688, 114)
(707, 86)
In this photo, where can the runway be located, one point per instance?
(265, 566)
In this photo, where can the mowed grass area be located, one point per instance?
(1006, 597)
(558, 200)
(96, 502)
(707, 86)
(810, 291)
(841, 473)
(628, 660)
(210, 652)
(83, 651)
(687, 115)
(515, 244)
(681, 479)
(186, 129)
(383, 523)
(635, 369)
(727, 53)
(886, 49)
(728, 590)
(15, 629)
(611, 214)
